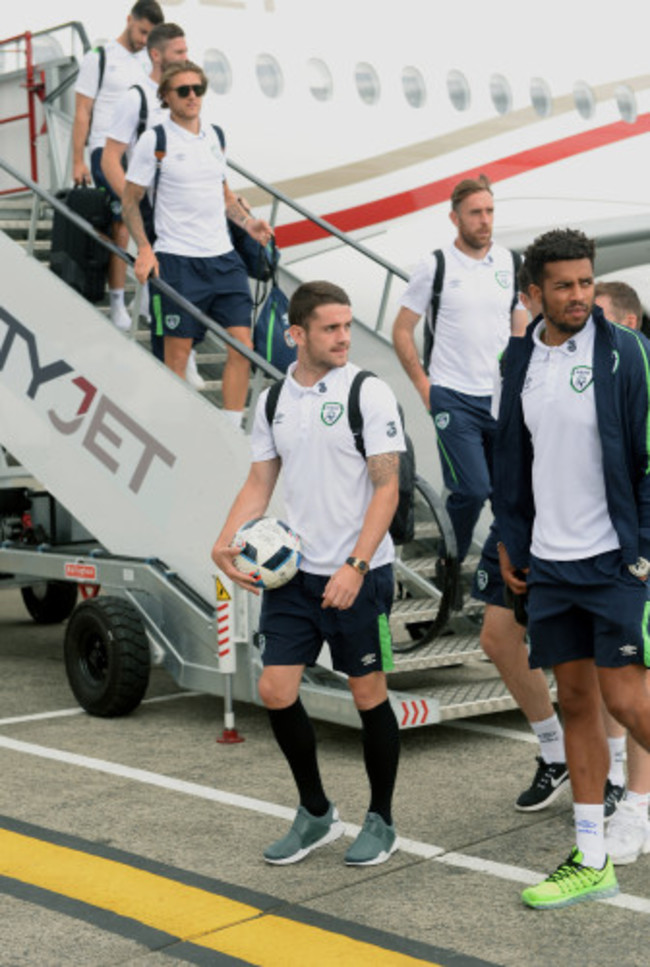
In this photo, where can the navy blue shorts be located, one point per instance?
(587, 609)
(293, 625)
(488, 585)
(217, 285)
(100, 182)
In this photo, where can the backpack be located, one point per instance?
(436, 291)
(259, 261)
(271, 328)
(143, 113)
(402, 527)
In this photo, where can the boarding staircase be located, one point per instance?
(440, 671)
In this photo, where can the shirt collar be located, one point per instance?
(569, 347)
(467, 260)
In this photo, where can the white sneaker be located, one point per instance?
(192, 374)
(628, 834)
(120, 317)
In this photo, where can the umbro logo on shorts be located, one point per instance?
(368, 659)
(628, 650)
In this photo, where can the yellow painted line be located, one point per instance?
(189, 913)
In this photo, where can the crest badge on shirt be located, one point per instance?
(504, 278)
(581, 378)
(331, 413)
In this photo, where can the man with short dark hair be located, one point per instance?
(572, 502)
(105, 74)
(193, 249)
(475, 312)
(341, 504)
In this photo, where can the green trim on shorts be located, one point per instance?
(156, 305)
(646, 634)
(386, 643)
(445, 456)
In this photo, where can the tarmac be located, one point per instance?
(138, 840)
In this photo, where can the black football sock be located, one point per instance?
(295, 735)
(381, 756)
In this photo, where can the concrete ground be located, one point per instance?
(153, 791)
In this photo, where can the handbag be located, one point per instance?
(260, 261)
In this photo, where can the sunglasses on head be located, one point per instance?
(183, 90)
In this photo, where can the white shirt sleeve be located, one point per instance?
(142, 166)
(382, 426)
(262, 439)
(417, 296)
(125, 118)
(88, 77)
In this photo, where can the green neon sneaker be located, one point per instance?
(306, 834)
(572, 883)
(374, 844)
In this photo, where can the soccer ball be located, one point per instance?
(269, 549)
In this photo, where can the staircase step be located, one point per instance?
(443, 651)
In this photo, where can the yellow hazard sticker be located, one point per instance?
(222, 594)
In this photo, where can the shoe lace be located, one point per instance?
(571, 871)
(543, 775)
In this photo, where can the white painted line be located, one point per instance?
(67, 712)
(503, 871)
(495, 730)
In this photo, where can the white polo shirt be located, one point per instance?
(572, 519)
(126, 117)
(121, 71)
(474, 316)
(190, 213)
(326, 484)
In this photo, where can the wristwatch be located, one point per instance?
(358, 565)
(641, 569)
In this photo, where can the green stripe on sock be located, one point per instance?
(386, 644)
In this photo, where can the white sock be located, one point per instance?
(551, 739)
(616, 774)
(638, 799)
(234, 416)
(590, 833)
(116, 296)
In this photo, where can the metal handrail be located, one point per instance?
(180, 300)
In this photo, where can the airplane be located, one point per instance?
(367, 115)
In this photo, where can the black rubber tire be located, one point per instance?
(440, 543)
(107, 656)
(50, 602)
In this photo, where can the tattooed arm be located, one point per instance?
(344, 586)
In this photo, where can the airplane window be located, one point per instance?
(585, 100)
(458, 90)
(626, 100)
(501, 93)
(218, 71)
(269, 75)
(367, 82)
(541, 97)
(415, 90)
(321, 84)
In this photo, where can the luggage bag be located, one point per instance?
(76, 257)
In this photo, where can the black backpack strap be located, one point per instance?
(272, 398)
(355, 416)
(516, 265)
(160, 151)
(144, 110)
(436, 291)
(101, 53)
(222, 137)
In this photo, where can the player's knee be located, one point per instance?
(275, 692)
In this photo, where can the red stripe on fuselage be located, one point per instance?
(407, 202)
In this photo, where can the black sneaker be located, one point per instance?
(550, 779)
(613, 795)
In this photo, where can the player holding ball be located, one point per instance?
(341, 505)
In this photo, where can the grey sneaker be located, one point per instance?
(306, 834)
(374, 844)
